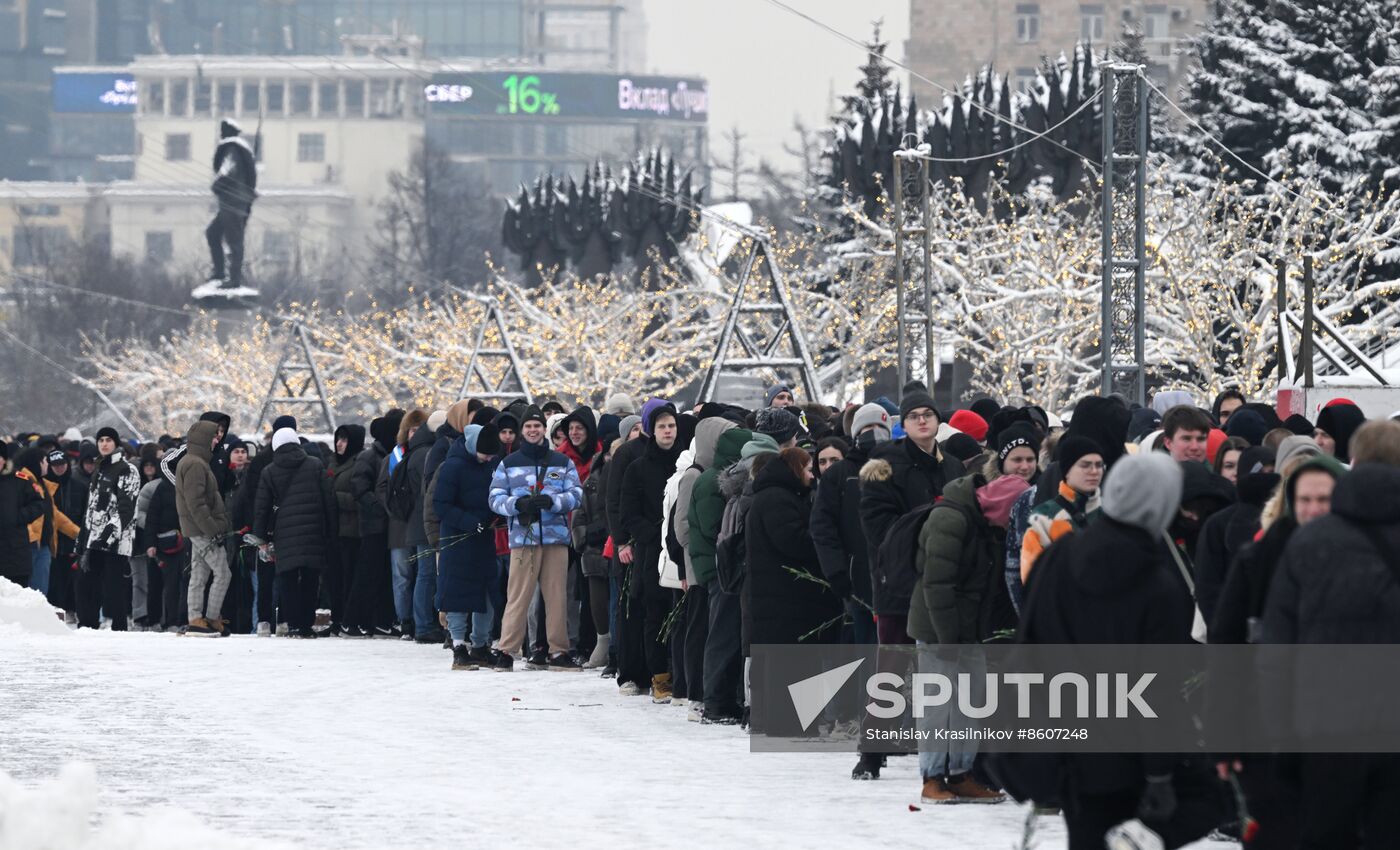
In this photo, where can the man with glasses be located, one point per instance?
(1076, 501)
(899, 477)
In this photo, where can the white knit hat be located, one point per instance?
(436, 420)
(284, 437)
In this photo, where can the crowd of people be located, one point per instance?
(657, 545)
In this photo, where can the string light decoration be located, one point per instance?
(1016, 298)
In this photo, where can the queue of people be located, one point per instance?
(656, 545)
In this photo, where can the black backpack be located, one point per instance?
(895, 572)
(401, 499)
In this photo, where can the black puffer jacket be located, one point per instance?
(20, 504)
(365, 475)
(342, 479)
(161, 516)
(642, 495)
(1334, 585)
(836, 529)
(781, 607)
(295, 510)
(1224, 535)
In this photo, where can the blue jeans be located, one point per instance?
(482, 621)
(457, 626)
(424, 589)
(953, 757)
(402, 569)
(40, 559)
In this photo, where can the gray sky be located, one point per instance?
(765, 64)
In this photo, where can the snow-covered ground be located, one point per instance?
(378, 744)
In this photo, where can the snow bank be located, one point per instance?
(58, 814)
(28, 610)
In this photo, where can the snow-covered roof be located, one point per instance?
(46, 190)
(131, 190)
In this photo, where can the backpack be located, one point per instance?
(400, 500)
(895, 571)
(432, 525)
(731, 551)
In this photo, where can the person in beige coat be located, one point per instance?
(204, 521)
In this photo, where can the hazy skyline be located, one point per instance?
(765, 64)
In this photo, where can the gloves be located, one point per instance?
(542, 503)
(1158, 802)
(522, 505)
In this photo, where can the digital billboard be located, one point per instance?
(565, 95)
(94, 93)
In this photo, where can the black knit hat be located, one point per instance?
(533, 413)
(109, 431)
(284, 421)
(488, 441)
(1015, 436)
(1072, 448)
(915, 400)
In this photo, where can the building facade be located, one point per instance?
(947, 43)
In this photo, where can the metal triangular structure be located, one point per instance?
(512, 384)
(299, 377)
(755, 349)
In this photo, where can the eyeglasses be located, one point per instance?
(919, 417)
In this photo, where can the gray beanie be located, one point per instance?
(1293, 448)
(870, 414)
(777, 423)
(625, 426)
(619, 404)
(1143, 491)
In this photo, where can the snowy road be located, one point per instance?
(358, 744)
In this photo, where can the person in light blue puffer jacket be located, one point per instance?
(536, 488)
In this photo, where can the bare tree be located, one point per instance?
(436, 227)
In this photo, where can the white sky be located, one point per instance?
(764, 64)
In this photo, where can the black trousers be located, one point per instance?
(267, 603)
(1089, 816)
(365, 603)
(724, 656)
(228, 227)
(175, 585)
(697, 627)
(298, 591)
(104, 588)
(340, 576)
(644, 609)
(598, 603)
(1350, 801)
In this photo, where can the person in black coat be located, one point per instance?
(161, 536)
(778, 606)
(1338, 582)
(296, 513)
(20, 504)
(368, 611)
(840, 540)
(1115, 582)
(643, 660)
(467, 557)
(1236, 619)
(782, 607)
(1231, 529)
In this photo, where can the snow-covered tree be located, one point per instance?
(1285, 84)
